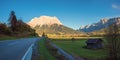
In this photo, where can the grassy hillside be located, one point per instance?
(98, 32)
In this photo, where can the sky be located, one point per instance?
(72, 13)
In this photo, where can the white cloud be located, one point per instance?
(115, 6)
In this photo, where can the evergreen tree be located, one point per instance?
(12, 21)
(43, 35)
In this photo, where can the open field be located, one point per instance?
(58, 38)
(76, 48)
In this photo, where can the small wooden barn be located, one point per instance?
(94, 43)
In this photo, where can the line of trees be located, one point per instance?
(15, 26)
(113, 42)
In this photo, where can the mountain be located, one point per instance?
(51, 25)
(55, 29)
(44, 20)
(103, 23)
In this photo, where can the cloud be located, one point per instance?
(115, 6)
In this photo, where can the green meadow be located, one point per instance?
(76, 48)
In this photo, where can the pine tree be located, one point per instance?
(12, 21)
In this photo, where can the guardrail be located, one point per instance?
(28, 54)
(68, 56)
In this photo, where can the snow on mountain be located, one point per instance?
(104, 20)
(44, 20)
(99, 25)
(82, 27)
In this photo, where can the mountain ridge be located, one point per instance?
(103, 23)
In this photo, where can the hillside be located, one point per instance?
(55, 29)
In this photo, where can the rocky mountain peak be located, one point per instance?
(44, 20)
(118, 21)
(103, 23)
(104, 20)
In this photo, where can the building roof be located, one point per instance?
(93, 40)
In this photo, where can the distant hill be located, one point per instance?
(100, 32)
(103, 23)
(51, 25)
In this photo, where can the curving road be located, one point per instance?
(15, 49)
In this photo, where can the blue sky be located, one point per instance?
(72, 13)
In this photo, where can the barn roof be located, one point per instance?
(93, 40)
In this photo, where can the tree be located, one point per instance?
(113, 42)
(12, 21)
(18, 27)
(43, 35)
(73, 39)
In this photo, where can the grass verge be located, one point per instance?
(5, 37)
(43, 52)
(54, 51)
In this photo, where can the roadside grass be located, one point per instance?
(5, 37)
(76, 48)
(43, 52)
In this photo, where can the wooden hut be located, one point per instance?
(94, 43)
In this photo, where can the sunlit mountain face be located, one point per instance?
(44, 20)
(51, 25)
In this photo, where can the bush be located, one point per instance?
(4, 29)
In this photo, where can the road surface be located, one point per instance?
(15, 49)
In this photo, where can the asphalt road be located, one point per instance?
(15, 49)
